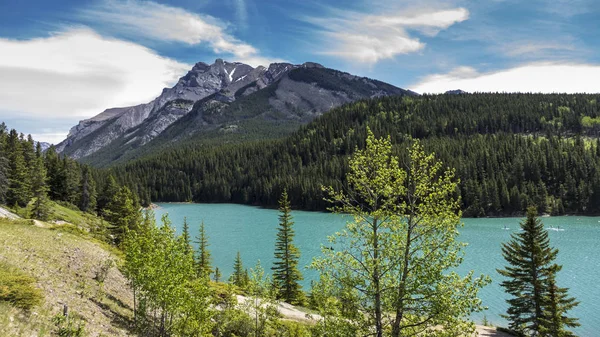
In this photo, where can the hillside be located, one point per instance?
(509, 150)
(67, 265)
(222, 102)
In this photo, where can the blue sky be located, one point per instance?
(64, 60)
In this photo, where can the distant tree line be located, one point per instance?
(510, 151)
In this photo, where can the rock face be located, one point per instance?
(217, 95)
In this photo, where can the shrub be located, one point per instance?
(18, 288)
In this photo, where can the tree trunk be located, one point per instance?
(376, 282)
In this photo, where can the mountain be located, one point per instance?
(220, 101)
(43, 145)
(456, 92)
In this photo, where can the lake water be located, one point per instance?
(251, 231)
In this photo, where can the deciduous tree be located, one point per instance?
(397, 254)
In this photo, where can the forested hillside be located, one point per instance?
(32, 180)
(509, 151)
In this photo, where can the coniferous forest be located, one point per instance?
(510, 151)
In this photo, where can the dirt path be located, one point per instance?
(290, 312)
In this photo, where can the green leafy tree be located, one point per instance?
(396, 256)
(40, 209)
(537, 305)
(169, 298)
(203, 257)
(285, 267)
(261, 300)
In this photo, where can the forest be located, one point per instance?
(510, 151)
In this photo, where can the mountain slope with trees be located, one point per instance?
(510, 151)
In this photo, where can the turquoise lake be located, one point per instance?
(251, 231)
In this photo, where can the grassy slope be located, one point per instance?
(65, 261)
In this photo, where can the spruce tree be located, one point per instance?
(240, 275)
(87, 191)
(203, 265)
(530, 280)
(122, 213)
(110, 189)
(285, 267)
(217, 275)
(3, 164)
(557, 305)
(56, 174)
(39, 187)
(19, 187)
(185, 235)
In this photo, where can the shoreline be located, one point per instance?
(154, 205)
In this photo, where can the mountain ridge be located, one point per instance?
(221, 96)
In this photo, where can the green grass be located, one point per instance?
(63, 261)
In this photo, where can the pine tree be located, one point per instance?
(217, 274)
(285, 268)
(185, 235)
(56, 174)
(530, 280)
(122, 213)
(19, 188)
(3, 164)
(203, 265)
(111, 188)
(240, 275)
(39, 187)
(557, 304)
(87, 191)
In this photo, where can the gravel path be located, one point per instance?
(290, 312)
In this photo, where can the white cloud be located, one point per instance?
(50, 137)
(368, 38)
(537, 49)
(78, 73)
(541, 77)
(165, 23)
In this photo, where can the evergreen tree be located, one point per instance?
(285, 267)
(240, 275)
(185, 235)
(39, 188)
(72, 171)
(556, 320)
(87, 191)
(111, 188)
(217, 275)
(122, 213)
(3, 164)
(203, 264)
(56, 174)
(19, 187)
(536, 305)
